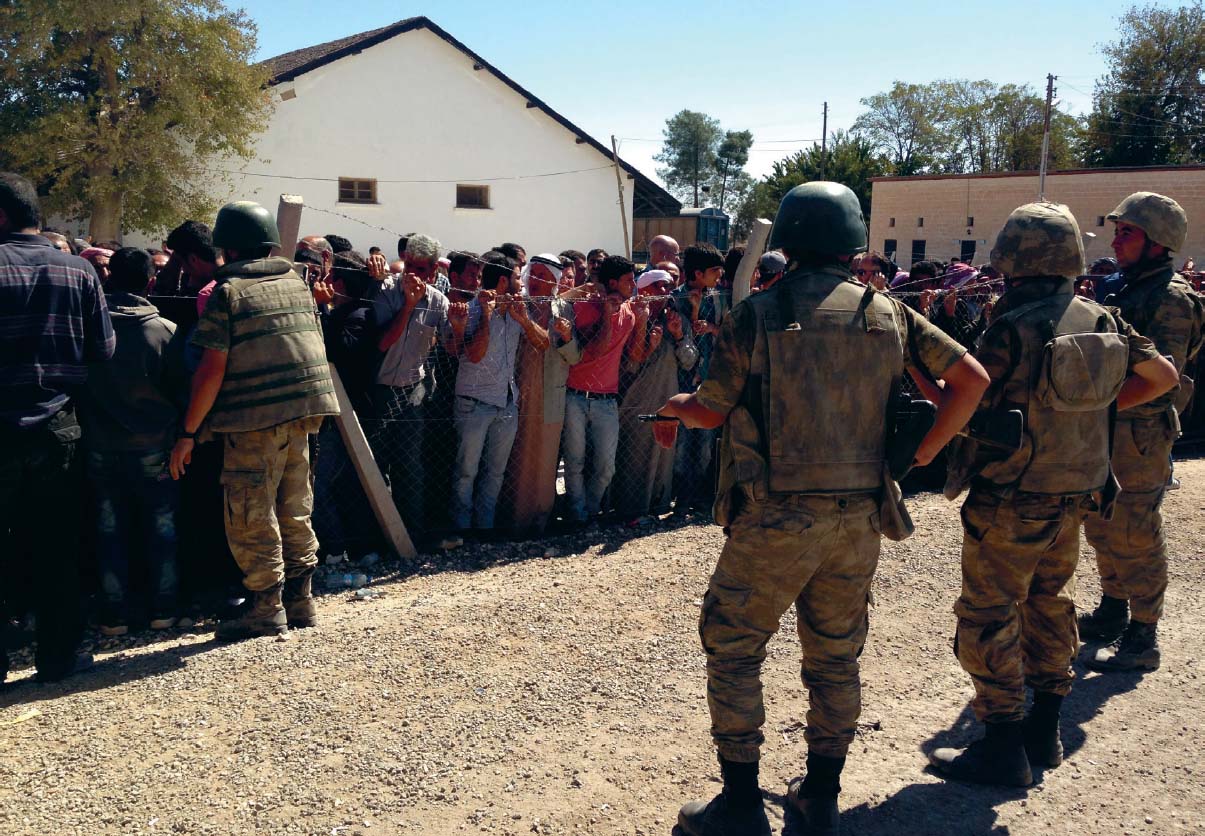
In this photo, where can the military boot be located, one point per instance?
(1106, 622)
(814, 797)
(298, 600)
(1042, 743)
(265, 618)
(999, 758)
(1136, 650)
(736, 811)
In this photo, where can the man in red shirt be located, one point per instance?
(606, 328)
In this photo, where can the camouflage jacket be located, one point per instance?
(1063, 452)
(1163, 307)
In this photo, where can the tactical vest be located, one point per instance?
(276, 368)
(826, 356)
(1065, 450)
(1139, 302)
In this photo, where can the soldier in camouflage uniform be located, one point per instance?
(1130, 550)
(1061, 360)
(801, 380)
(264, 384)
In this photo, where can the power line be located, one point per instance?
(457, 180)
(1130, 113)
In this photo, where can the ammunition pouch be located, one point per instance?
(1082, 372)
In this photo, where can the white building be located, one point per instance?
(405, 129)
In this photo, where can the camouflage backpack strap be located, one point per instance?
(787, 320)
(866, 307)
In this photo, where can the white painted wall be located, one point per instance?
(413, 108)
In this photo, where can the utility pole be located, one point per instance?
(824, 143)
(696, 174)
(1046, 136)
(623, 209)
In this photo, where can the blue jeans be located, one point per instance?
(135, 512)
(486, 435)
(598, 420)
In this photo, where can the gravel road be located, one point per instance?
(558, 688)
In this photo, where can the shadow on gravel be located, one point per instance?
(1090, 691)
(954, 807)
(106, 673)
(609, 538)
(928, 808)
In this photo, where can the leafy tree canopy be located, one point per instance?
(851, 159)
(114, 108)
(1149, 107)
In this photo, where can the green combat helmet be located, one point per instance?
(1161, 218)
(245, 225)
(1039, 239)
(819, 217)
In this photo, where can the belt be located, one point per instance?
(594, 396)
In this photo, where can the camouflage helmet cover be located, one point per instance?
(1161, 218)
(1039, 239)
(820, 217)
(245, 225)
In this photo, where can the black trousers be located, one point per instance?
(40, 500)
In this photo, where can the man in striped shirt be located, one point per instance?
(53, 322)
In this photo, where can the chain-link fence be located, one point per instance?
(550, 435)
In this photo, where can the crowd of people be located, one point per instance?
(502, 395)
(474, 373)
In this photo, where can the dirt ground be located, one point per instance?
(558, 688)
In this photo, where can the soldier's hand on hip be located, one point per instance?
(181, 456)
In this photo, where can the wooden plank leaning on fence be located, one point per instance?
(288, 221)
(753, 253)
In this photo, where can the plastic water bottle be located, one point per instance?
(349, 580)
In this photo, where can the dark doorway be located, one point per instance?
(918, 251)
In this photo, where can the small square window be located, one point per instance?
(970, 220)
(920, 221)
(1100, 220)
(357, 191)
(891, 222)
(472, 197)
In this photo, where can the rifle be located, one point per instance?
(913, 418)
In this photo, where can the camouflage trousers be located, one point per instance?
(268, 497)
(1131, 552)
(819, 553)
(1016, 613)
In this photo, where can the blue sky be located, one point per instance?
(624, 67)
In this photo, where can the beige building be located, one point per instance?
(948, 215)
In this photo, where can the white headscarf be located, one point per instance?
(548, 260)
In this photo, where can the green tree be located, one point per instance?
(902, 124)
(731, 158)
(688, 156)
(114, 108)
(987, 127)
(1149, 107)
(852, 159)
